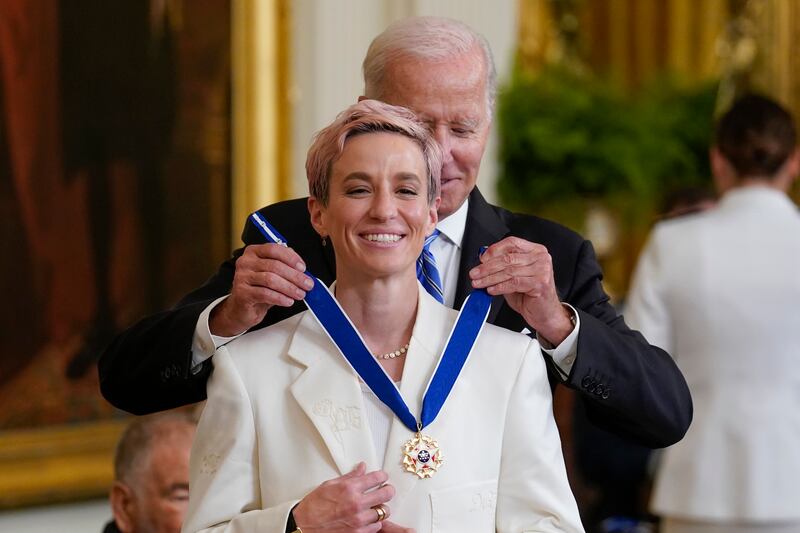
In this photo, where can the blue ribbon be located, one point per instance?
(344, 335)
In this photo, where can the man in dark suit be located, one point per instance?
(544, 277)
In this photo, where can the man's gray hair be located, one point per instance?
(138, 439)
(431, 38)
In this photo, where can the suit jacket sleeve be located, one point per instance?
(147, 368)
(223, 470)
(629, 387)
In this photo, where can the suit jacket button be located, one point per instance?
(599, 390)
(167, 373)
(586, 382)
(606, 394)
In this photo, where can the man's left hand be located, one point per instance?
(522, 271)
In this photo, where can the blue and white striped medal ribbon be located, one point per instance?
(421, 455)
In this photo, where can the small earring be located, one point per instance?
(324, 240)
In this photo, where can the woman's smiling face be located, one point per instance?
(377, 214)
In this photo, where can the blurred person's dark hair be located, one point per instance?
(756, 135)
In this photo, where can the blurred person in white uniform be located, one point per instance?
(719, 290)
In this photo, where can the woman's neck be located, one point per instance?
(382, 310)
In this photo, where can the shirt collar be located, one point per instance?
(453, 226)
(758, 195)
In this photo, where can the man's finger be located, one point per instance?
(265, 296)
(504, 263)
(280, 278)
(509, 244)
(512, 286)
(492, 280)
(516, 264)
(279, 252)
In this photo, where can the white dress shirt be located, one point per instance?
(447, 251)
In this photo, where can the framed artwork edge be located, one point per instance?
(57, 463)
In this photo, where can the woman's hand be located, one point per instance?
(391, 527)
(345, 504)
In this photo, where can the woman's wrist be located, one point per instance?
(291, 525)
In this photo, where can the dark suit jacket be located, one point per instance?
(629, 387)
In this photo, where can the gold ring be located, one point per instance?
(381, 512)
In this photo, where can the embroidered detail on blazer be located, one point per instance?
(209, 463)
(342, 418)
(483, 501)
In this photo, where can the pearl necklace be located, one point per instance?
(397, 353)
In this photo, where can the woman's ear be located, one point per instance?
(793, 165)
(721, 171)
(433, 216)
(317, 212)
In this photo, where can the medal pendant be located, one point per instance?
(422, 456)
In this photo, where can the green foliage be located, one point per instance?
(565, 136)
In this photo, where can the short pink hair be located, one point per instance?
(369, 116)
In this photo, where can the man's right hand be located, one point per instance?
(266, 275)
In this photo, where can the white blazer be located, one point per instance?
(720, 291)
(285, 412)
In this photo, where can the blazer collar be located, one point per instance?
(757, 197)
(329, 392)
(484, 227)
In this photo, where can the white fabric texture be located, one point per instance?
(285, 412)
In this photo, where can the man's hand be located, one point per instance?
(345, 504)
(266, 275)
(522, 271)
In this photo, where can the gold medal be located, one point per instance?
(422, 456)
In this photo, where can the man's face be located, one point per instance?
(450, 96)
(161, 495)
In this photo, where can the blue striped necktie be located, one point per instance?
(427, 273)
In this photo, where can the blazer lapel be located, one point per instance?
(329, 393)
(483, 228)
(427, 340)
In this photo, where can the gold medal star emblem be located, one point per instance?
(422, 456)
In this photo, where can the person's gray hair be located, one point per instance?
(431, 38)
(136, 442)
